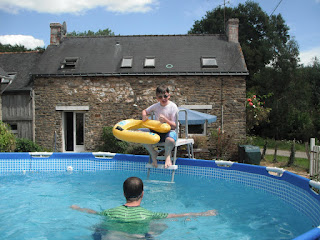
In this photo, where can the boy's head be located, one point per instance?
(163, 95)
(162, 90)
(133, 189)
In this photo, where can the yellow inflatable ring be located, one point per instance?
(123, 131)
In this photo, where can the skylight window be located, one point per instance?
(69, 63)
(149, 62)
(126, 62)
(209, 62)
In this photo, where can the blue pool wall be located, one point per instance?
(291, 188)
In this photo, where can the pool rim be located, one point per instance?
(283, 175)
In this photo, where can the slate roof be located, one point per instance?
(3, 73)
(174, 54)
(21, 64)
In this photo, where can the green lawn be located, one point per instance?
(301, 163)
(271, 143)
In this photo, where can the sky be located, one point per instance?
(27, 22)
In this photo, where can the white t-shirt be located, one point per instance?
(169, 111)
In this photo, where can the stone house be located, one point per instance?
(82, 84)
(17, 108)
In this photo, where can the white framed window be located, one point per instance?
(73, 131)
(198, 129)
(73, 127)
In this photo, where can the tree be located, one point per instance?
(311, 77)
(272, 60)
(105, 32)
(17, 48)
(264, 40)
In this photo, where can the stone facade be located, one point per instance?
(0, 108)
(111, 99)
(232, 30)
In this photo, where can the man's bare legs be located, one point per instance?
(153, 153)
(168, 146)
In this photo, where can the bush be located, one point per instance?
(200, 141)
(112, 144)
(137, 149)
(221, 143)
(26, 145)
(7, 138)
(256, 112)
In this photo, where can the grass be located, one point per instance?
(302, 163)
(271, 143)
(300, 166)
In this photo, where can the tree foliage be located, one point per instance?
(271, 56)
(17, 48)
(112, 144)
(263, 39)
(295, 102)
(256, 112)
(7, 139)
(105, 32)
(26, 145)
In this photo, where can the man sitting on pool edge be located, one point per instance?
(131, 211)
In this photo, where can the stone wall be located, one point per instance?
(111, 99)
(0, 106)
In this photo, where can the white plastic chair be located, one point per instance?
(180, 142)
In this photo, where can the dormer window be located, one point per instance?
(209, 62)
(5, 80)
(149, 62)
(69, 63)
(126, 62)
(8, 78)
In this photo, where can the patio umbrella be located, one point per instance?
(195, 117)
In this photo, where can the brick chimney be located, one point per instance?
(58, 31)
(232, 30)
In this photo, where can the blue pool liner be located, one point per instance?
(292, 183)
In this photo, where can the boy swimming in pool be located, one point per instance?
(131, 212)
(165, 111)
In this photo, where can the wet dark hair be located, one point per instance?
(162, 89)
(133, 188)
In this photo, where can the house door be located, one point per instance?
(73, 128)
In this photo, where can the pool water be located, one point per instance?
(36, 206)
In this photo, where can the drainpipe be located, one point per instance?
(221, 98)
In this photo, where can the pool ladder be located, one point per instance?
(161, 165)
(180, 142)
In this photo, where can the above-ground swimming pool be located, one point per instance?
(37, 191)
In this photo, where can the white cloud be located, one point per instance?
(76, 6)
(306, 57)
(28, 41)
